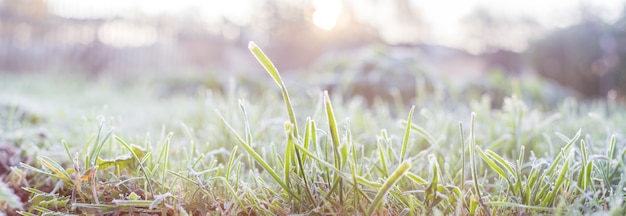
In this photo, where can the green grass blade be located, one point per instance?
(332, 124)
(407, 131)
(462, 141)
(584, 178)
(99, 144)
(164, 155)
(520, 206)
(132, 203)
(67, 149)
(583, 151)
(23, 213)
(303, 174)
(232, 192)
(319, 160)
(416, 179)
(473, 162)
(231, 160)
(246, 122)
(383, 161)
(136, 157)
(492, 164)
(431, 190)
(501, 161)
(37, 170)
(271, 69)
(357, 189)
(582, 183)
(288, 153)
(563, 150)
(260, 160)
(97, 207)
(611, 150)
(587, 179)
(308, 133)
(389, 183)
(424, 133)
(531, 186)
(549, 198)
(266, 62)
(55, 167)
(473, 165)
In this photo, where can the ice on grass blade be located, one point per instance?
(158, 199)
(407, 131)
(55, 167)
(288, 153)
(271, 69)
(260, 160)
(8, 196)
(332, 122)
(431, 189)
(421, 131)
(492, 164)
(336, 145)
(389, 183)
(265, 61)
(134, 153)
(231, 160)
(561, 178)
(164, 155)
(473, 163)
(99, 144)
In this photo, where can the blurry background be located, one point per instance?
(579, 45)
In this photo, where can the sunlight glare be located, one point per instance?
(326, 13)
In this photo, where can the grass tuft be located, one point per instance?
(351, 158)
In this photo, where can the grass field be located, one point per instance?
(73, 145)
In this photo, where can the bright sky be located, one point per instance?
(443, 16)
(211, 10)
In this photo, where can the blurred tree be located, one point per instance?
(583, 56)
(615, 48)
(21, 23)
(26, 10)
(489, 32)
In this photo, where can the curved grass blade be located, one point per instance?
(138, 160)
(611, 150)
(549, 198)
(521, 206)
(231, 160)
(391, 181)
(332, 123)
(288, 153)
(473, 163)
(164, 155)
(260, 160)
(501, 161)
(271, 69)
(407, 131)
(424, 134)
(462, 140)
(418, 180)
(491, 163)
(431, 190)
(332, 126)
(55, 167)
(99, 144)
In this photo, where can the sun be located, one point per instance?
(326, 13)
